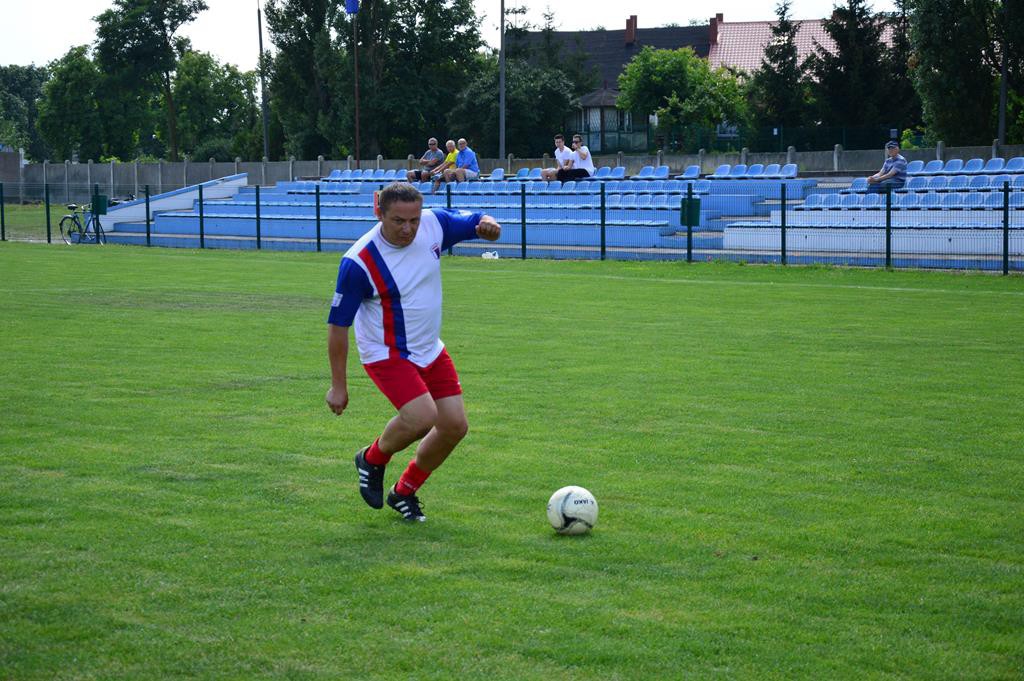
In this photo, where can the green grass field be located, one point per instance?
(28, 222)
(803, 473)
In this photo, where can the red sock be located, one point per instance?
(375, 456)
(411, 479)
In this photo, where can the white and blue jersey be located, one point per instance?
(394, 294)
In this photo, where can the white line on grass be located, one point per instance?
(729, 282)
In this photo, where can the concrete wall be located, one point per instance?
(72, 182)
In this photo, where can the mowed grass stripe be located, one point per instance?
(802, 473)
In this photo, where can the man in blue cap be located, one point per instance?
(893, 174)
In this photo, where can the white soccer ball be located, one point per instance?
(572, 510)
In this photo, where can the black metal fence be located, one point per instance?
(955, 223)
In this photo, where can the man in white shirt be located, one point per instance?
(563, 159)
(581, 164)
(389, 286)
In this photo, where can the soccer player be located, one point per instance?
(389, 285)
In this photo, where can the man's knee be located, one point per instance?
(453, 427)
(419, 416)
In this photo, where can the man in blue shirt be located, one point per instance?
(466, 167)
(893, 174)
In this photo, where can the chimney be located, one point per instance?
(631, 30)
(713, 28)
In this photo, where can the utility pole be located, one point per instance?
(501, 87)
(1002, 81)
(263, 88)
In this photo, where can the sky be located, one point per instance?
(39, 31)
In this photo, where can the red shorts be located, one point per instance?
(402, 381)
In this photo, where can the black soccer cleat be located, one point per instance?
(371, 480)
(409, 506)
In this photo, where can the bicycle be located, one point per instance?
(73, 231)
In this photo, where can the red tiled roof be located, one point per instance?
(741, 43)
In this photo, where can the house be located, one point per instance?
(736, 45)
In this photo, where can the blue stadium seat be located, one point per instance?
(522, 174)
(831, 201)
(994, 165)
(601, 173)
(930, 201)
(737, 171)
(978, 183)
(646, 173)
(755, 171)
(937, 183)
(497, 175)
(691, 173)
(534, 174)
(702, 186)
(957, 183)
(357, 174)
(661, 201)
(907, 201)
(1017, 201)
(789, 171)
(1014, 165)
(567, 186)
(378, 174)
(613, 200)
(628, 202)
(849, 201)
(975, 201)
(811, 202)
(952, 202)
(721, 173)
(996, 182)
(1018, 182)
(932, 168)
(973, 166)
(644, 200)
(771, 171)
(334, 175)
(994, 201)
(915, 167)
(536, 187)
(915, 184)
(872, 201)
(653, 187)
(613, 186)
(857, 186)
(661, 173)
(953, 166)
(618, 173)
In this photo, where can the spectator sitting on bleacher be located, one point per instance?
(563, 159)
(466, 167)
(437, 174)
(893, 174)
(582, 163)
(430, 160)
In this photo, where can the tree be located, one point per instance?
(69, 112)
(681, 90)
(849, 85)
(540, 97)
(903, 103)
(778, 94)
(959, 87)
(136, 40)
(305, 74)
(216, 105)
(21, 88)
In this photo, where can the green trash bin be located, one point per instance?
(690, 214)
(99, 204)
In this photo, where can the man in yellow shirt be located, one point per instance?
(437, 174)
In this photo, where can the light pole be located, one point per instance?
(501, 87)
(263, 88)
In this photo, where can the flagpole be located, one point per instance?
(355, 55)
